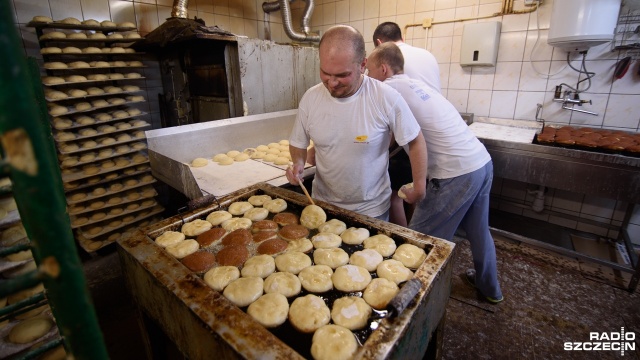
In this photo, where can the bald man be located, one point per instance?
(351, 119)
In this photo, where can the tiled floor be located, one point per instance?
(548, 301)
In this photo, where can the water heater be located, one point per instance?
(577, 25)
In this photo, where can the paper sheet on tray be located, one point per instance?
(503, 132)
(224, 179)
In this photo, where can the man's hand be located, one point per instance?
(294, 174)
(411, 194)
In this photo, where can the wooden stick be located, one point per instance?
(305, 191)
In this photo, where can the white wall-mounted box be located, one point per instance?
(480, 44)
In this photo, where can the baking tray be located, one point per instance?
(94, 68)
(203, 322)
(81, 175)
(98, 122)
(122, 214)
(8, 349)
(93, 96)
(97, 108)
(142, 214)
(58, 25)
(103, 181)
(92, 81)
(99, 134)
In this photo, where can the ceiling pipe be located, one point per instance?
(179, 9)
(285, 9)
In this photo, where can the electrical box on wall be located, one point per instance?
(480, 44)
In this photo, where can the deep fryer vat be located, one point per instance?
(201, 322)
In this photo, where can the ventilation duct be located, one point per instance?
(285, 9)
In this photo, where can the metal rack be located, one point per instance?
(627, 34)
(31, 163)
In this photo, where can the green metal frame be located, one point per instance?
(39, 194)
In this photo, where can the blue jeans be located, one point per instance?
(463, 201)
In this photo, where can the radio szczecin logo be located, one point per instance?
(613, 341)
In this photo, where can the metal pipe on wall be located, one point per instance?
(285, 9)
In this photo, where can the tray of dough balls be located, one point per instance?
(67, 161)
(119, 132)
(103, 167)
(27, 329)
(91, 78)
(68, 52)
(13, 236)
(98, 242)
(46, 22)
(107, 136)
(104, 178)
(111, 213)
(56, 109)
(96, 229)
(98, 64)
(115, 187)
(89, 93)
(319, 278)
(79, 121)
(9, 214)
(88, 37)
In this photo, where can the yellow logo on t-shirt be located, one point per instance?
(361, 138)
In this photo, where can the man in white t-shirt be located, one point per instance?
(459, 169)
(350, 118)
(418, 64)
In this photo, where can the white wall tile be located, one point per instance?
(249, 9)
(356, 10)
(388, 7)
(526, 105)
(236, 25)
(459, 76)
(599, 105)
(406, 6)
(444, 74)
(329, 14)
(342, 12)
(598, 206)
(515, 190)
(531, 78)
(482, 77)
(441, 49)
(507, 76)
(558, 220)
(27, 9)
(537, 46)
(371, 9)
(221, 7)
(565, 200)
(479, 102)
(459, 98)
(593, 229)
(122, 11)
(97, 10)
(515, 22)
(503, 104)
(425, 5)
(61, 9)
(164, 13)
(511, 46)
(622, 111)
(445, 4)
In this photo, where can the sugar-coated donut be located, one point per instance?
(354, 236)
(380, 292)
(333, 342)
(270, 310)
(351, 312)
(219, 277)
(308, 313)
(243, 291)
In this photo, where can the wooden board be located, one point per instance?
(224, 179)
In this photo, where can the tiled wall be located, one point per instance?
(511, 90)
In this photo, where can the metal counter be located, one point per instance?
(204, 324)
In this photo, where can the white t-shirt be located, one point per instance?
(351, 137)
(452, 148)
(420, 64)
